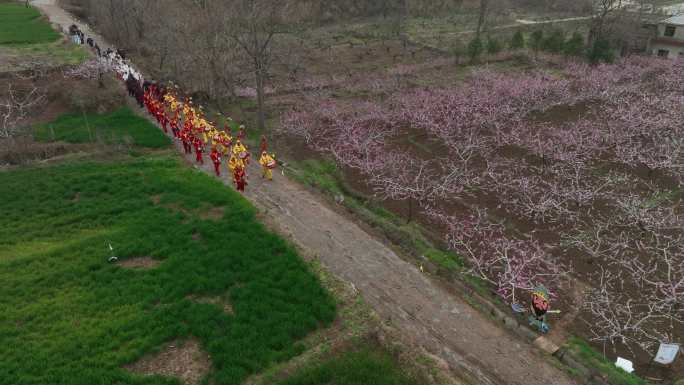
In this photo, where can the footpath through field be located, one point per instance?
(425, 314)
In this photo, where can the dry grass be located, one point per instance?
(213, 213)
(223, 302)
(139, 263)
(184, 360)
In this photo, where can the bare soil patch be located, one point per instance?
(213, 213)
(24, 150)
(141, 263)
(223, 302)
(184, 360)
(156, 199)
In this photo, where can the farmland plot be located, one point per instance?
(556, 177)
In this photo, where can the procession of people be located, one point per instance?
(188, 123)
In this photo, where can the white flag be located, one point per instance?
(666, 353)
(624, 364)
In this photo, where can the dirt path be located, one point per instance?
(555, 21)
(474, 347)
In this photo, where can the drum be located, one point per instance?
(243, 155)
(272, 164)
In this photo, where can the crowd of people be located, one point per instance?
(187, 123)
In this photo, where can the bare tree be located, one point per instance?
(15, 105)
(482, 16)
(254, 25)
(605, 14)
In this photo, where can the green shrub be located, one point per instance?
(575, 45)
(554, 42)
(493, 46)
(601, 51)
(518, 41)
(475, 49)
(536, 40)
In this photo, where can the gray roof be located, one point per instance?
(679, 20)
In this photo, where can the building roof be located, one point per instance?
(678, 20)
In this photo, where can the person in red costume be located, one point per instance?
(146, 100)
(199, 149)
(187, 126)
(174, 125)
(240, 178)
(216, 158)
(242, 134)
(158, 111)
(164, 122)
(264, 144)
(187, 146)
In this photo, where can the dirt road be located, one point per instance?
(473, 346)
(554, 21)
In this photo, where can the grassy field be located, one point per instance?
(71, 317)
(27, 38)
(22, 25)
(363, 367)
(121, 126)
(58, 52)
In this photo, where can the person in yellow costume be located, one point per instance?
(209, 132)
(204, 127)
(191, 113)
(225, 142)
(174, 105)
(169, 98)
(221, 148)
(227, 138)
(240, 151)
(235, 162)
(215, 137)
(267, 163)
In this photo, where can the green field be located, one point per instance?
(71, 317)
(59, 52)
(121, 126)
(364, 367)
(26, 37)
(20, 25)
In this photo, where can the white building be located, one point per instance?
(670, 39)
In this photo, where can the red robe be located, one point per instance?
(240, 178)
(187, 142)
(164, 122)
(158, 112)
(264, 144)
(174, 124)
(174, 127)
(199, 149)
(216, 158)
